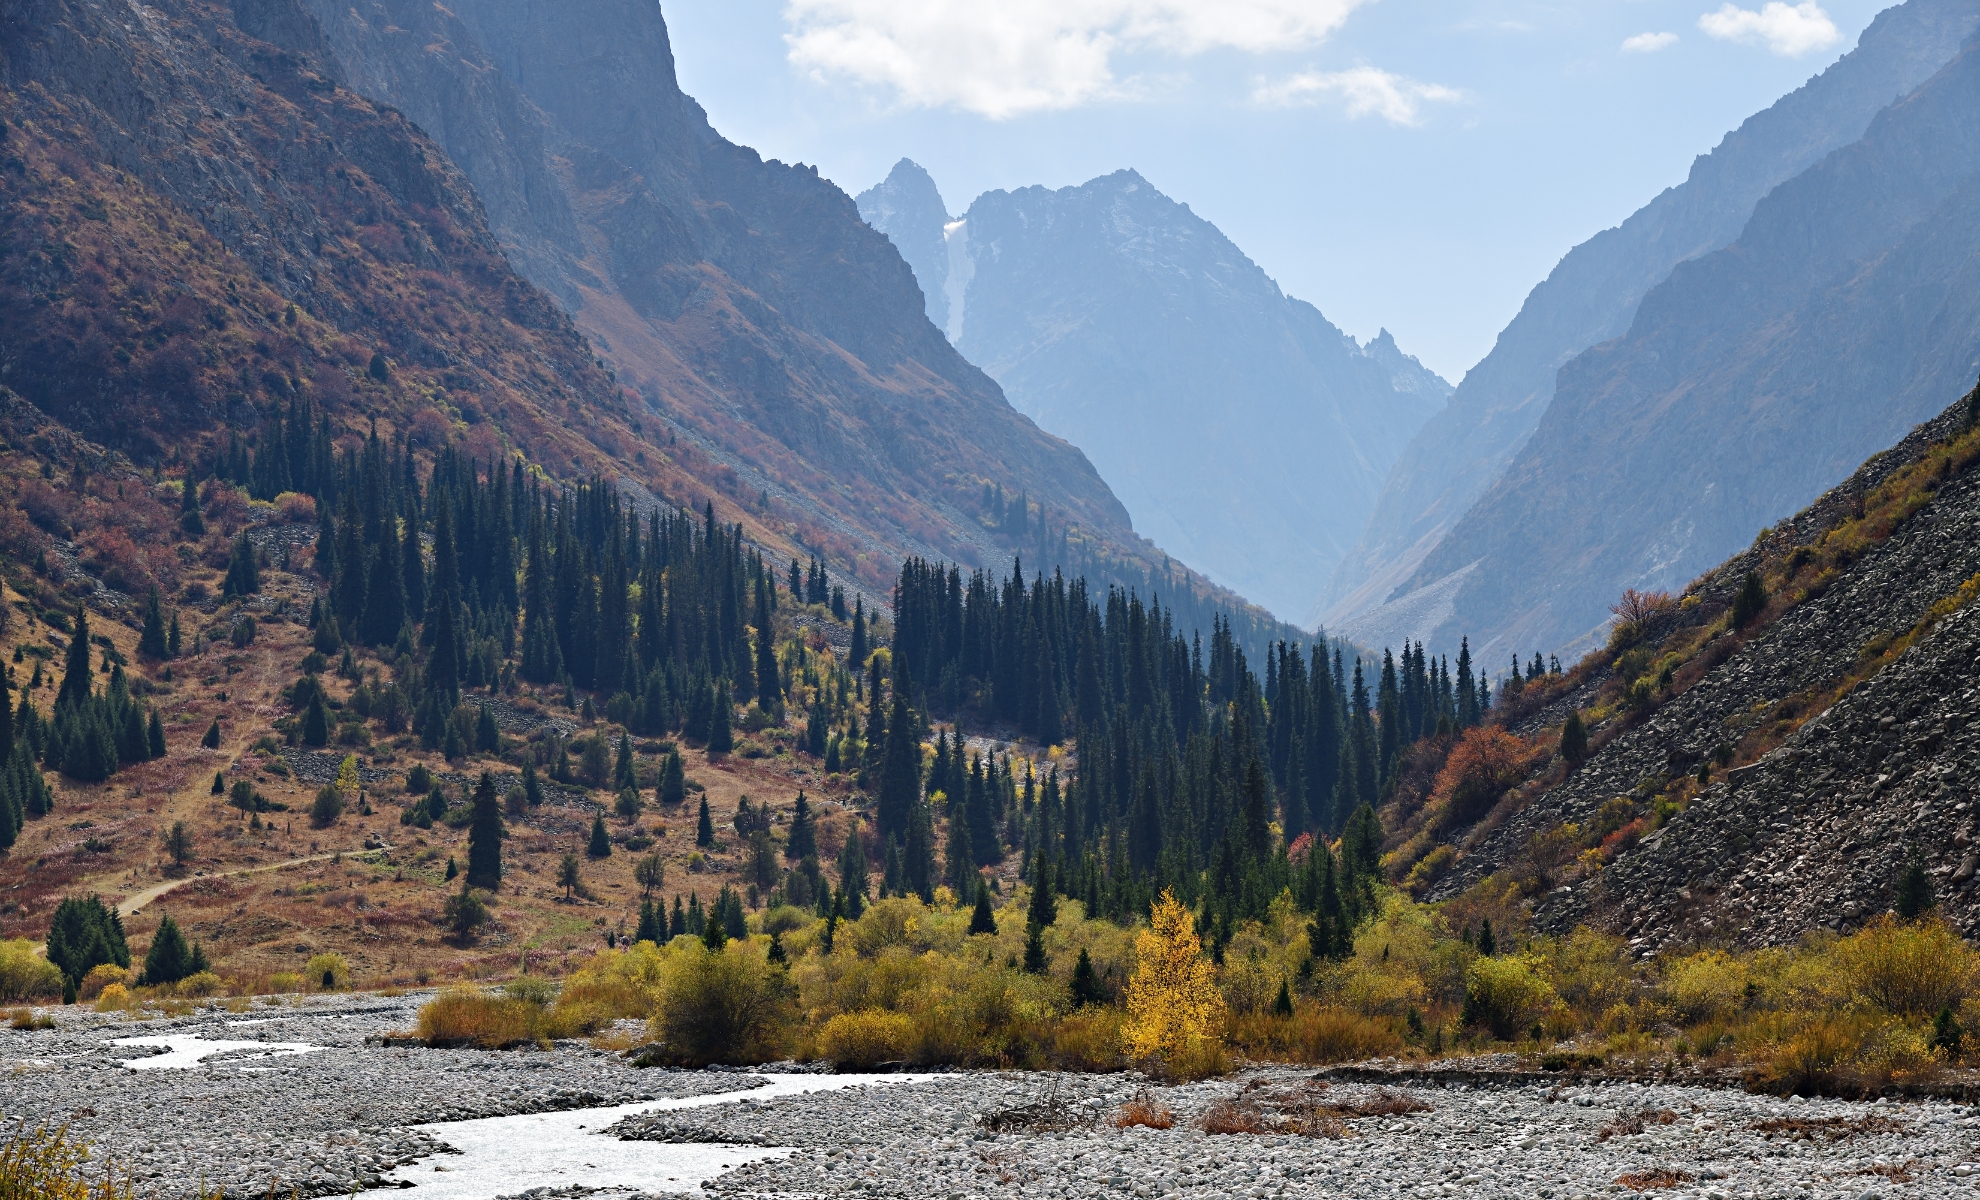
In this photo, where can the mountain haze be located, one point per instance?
(1244, 432)
(1593, 295)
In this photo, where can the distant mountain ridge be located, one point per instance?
(1592, 296)
(1243, 431)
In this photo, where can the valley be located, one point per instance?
(545, 653)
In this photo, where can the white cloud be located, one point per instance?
(1002, 58)
(1648, 43)
(1788, 30)
(1364, 90)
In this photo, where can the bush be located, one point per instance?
(614, 985)
(49, 1166)
(1316, 1034)
(328, 972)
(1506, 996)
(865, 1039)
(1708, 986)
(327, 807)
(114, 997)
(468, 1016)
(1908, 969)
(25, 975)
(198, 986)
(728, 1006)
(101, 977)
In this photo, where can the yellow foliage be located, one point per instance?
(1910, 969)
(101, 976)
(347, 777)
(25, 975)
(113, 997)
(48, 1165)
(865, 1039)
(1707, 986)
(1507, 995)
(1173, 1004)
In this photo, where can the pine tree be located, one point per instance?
(721, 734)
(1750, 602)
(189, 517)
(169, 960)
(673, 779)
(1039, 915)
(151, 642)
(704, 829)
(316, 721)
(852, 873)
(803, 840)
(900, 775)
(982, 919)
(211, 738)
(76, 680)
(154, 735)
(677, 925)
(385, 597)
(85, 933)
(243, 571)
(173, 645)
(652, 923)
(622, 768)
(1282, 1006)
(485, 837)
(1914, 890)
(1085, 985)
(1574, 740)
(600, 845)
(1487, 944)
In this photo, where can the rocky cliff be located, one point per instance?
(780, 344)
(1244, 432)
(1594, 294)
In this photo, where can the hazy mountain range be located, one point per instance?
(1243, 431)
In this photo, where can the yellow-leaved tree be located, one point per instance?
(1173, 1007)
(347, 777)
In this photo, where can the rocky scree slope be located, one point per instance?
(199, 224)
(780, 344)
(1244, 432)
(1816, 831)
(1594, 293)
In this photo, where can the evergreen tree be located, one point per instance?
(385, 597)
(152, 641)
(673, 779)
(721, 735)
(1750, 602)
(211, 738)
(769, 687)
(1085, 986)
(600, 845)
(623, 775)
(169, 960)
(1039, 915)
(1487, 944)
(803, 840)
(77, 683)
(704, 829)
(677, 924)
(652, 923)
(900, 775)
(154, 734)
(982, 919)
(487, 734)
(856, 655)
(86, 933)
(243, 571)
(173, 645)
(316, 721)
(484, 868)
(189, 516)
(852, 873)
(1574, 740)
(1914, 890)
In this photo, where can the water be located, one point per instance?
(501, 1156)
(188, 1050)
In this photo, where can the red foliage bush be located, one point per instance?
(1486, 762)
(112, 556)
(52, 510)
(296, 508)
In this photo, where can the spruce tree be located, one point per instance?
(77, 682)
(803, 840)
(652, 923)
(1487, 944)
(243, 571)
(151, 642)
(189, 515)
(1914, 890)
(169, 960)
(1085, 985)
(86, 933)
(900, 776)
(211, 738)
(769, 687)
(485, 837)
(1750, 602)
(1574, 740)
(623, 775)
(704, 829)
(316, 721)
(982, 919)
(721, 734)
(673, 779)
(487, 734)
(852, 872)
(600, 845)
(155, 736)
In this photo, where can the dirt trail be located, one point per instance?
(131, 905)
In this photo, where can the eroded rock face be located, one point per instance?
(1815, 833)
(745, 299)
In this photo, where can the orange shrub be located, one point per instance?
(1483, 765)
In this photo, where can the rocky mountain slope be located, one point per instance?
(1244, 432)
(1844, 711)
(778, 342)
(1594, 295)
(1751, 379)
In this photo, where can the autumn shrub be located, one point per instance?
(100, 977)
(1911, 969)
(25, 975)
(198, 986)
(1845, 1053)
(612, 985)
(1315, 1034)
(113, 998)
(865, 1039)
(726, 1006)
(297, 508)
(1706, 986)
(115, 558)
(45, 1164)
(469, 1016)
(1088, 1040)
(1485, 762)
(1507, 996)
(328, 972)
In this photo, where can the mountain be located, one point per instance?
(1751, 783)
(779, 343)
(1593, 296)
(1750, 380)
(1244, 432)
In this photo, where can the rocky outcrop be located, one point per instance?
(1814, 833)
(1593, 296)
(780, 343)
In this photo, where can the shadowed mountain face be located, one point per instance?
(1593, 295)
(1751, 379)
(779, 342)
(1244, 432)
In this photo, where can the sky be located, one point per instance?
(1415, 165)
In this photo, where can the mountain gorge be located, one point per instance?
(1411, 574)
(1244, 432)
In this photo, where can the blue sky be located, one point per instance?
(1411, 164)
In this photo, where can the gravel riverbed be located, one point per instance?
(351, 1114)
